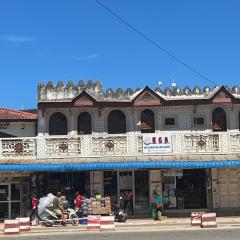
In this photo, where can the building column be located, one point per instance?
(96, 182)
(215, 190)
(155, 182)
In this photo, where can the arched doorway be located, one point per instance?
(84, 123)
(116, 122)
(147, 121)
(58, 124)
(219, 122)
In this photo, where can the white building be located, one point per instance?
(184, 143)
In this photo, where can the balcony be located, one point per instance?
(86, 147)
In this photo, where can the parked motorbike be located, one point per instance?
(118, 212)
(50, 218)
(70, 214)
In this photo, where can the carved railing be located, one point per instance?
(201, 143)
(235, 142)
(18, 148)
(63, 146)
(115, 145)
(109, 145)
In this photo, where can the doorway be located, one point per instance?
(10, 199)
(135, 185)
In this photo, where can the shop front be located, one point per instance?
(68, 183)
(14, 195)
(132, 185)
(186, 188)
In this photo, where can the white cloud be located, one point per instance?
(16, 39)
(92, 56)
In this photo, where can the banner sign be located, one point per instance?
(160, 143)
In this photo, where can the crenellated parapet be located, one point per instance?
(60, 92)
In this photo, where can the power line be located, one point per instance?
(155, 43)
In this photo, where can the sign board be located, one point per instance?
(172, 172)
(159, 143)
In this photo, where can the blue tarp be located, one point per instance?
(118, 165)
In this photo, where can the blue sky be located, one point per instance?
(78, 39)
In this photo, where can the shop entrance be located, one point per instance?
(191, 188)
(185, 188)
(10, 199)
(131, 184)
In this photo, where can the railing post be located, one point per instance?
(132, 144)
(41, 147)
(224, 142)
(86, 146)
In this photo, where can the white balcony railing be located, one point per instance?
(85, 146)
(18, 148)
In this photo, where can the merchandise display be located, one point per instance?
(96, 206)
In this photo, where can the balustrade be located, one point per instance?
(115, 145)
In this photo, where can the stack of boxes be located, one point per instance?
(96, 206)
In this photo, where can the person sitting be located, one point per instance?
(56, 206)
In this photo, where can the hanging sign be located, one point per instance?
(159, 143)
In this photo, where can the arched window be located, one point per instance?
(84, 123)
(219, 122)
(116, 122)
(58, 124)
(147, 121)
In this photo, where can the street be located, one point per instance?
(197, 234)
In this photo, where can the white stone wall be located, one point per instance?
(226, 187)
(183, 115)
(21, 129)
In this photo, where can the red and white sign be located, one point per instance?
(159, 143)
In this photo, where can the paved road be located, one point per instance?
(208, 234)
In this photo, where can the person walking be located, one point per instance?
(34, 211)
(157, 206)
(78, 201)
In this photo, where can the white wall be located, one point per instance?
(183, 115)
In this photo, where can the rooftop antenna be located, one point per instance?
(160, 84)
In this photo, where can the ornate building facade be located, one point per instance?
(183, 143)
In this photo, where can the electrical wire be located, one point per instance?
(155, 43)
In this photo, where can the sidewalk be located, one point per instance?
(142, 224)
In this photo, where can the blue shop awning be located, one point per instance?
(119, 165)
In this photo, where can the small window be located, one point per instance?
(198, 121)
(170, 121)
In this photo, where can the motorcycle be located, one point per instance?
(70, 214)
(118, 212)
(50, 218)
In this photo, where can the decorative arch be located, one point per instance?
(58, 124)
(116, 122)
(219, 120)
(147, 121)
(84, 123)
